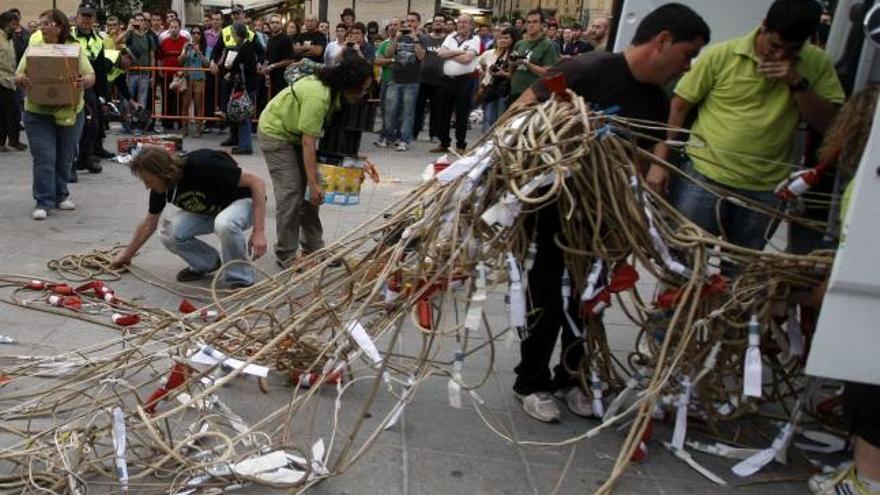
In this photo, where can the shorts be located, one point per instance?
(861, 411)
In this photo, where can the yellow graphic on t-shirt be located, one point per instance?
(194, 202)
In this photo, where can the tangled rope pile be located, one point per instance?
(151, 409)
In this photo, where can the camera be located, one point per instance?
(513, 57)
(494, 69)
(349, 44)
(406, 31)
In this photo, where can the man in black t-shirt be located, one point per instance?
(430, 76)
(664, 43)
(403, 90)
(279, 54)
(310, 43)
(214, 196)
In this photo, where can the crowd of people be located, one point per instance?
(184, 75)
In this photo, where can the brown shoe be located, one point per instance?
(460, 151)
(439, 149)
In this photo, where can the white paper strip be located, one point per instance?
(119, 439)
(207, 355)
(360, 335)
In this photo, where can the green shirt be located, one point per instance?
(746, 120)
(386, 69)
(297, 110)
(64, 115)
(540, 52)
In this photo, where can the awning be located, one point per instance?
(226, 5)
(464, 9)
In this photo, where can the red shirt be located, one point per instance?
(170, 50)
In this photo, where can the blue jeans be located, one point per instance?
(139, 87)
(492, 110)
(52, 147)
(179, 231)
(245, 137)
(737, 224)
(383, 90)
(400, 111)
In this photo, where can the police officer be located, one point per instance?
(220, 68)
(91, 149)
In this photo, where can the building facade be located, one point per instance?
(563, 10)
(31, 10)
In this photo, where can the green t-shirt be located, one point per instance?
(64, 115)
(297, 110)
(385, 75)
(539, 52)
(748, 121)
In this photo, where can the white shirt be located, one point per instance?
(331, 52)
(453, 68)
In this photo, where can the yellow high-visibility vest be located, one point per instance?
(116, 71)
(92, 46)
(229, 40)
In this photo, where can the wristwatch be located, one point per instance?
(800, 85)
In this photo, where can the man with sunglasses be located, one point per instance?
(752, 93)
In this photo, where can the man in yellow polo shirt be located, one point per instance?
(289, 129)
(751, 93)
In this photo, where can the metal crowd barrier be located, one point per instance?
(166, 103)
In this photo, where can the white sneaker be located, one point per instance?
(578, 402)
(382, 143)
(540, 406)
(39, 214)
(401, 146)
(66, 205)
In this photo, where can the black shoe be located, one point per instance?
(239, 151)
(240, 285)
(18, 146)
(188, 275)
(94, 167)
(102, 153)
(73, 178)
(228, 142)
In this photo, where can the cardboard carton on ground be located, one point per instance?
(52, 69)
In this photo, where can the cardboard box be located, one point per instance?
(342, 185)
(53, 68)
(127, 144)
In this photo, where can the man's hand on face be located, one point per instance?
(782, 70)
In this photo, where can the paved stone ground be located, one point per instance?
(434, 449)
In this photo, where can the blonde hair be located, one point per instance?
(845, 140)
(159, 162)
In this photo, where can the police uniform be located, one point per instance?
(90, 142)
(228, 41)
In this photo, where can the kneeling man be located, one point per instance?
(215, 196)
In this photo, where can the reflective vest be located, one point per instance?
(93, 45)
(229, 40)
(116, 71)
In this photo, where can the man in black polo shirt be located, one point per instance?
(214, 196)
(310, 43)
(279, 54)
(665, 42)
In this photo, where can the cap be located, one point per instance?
(237, 9)
(86, 9)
